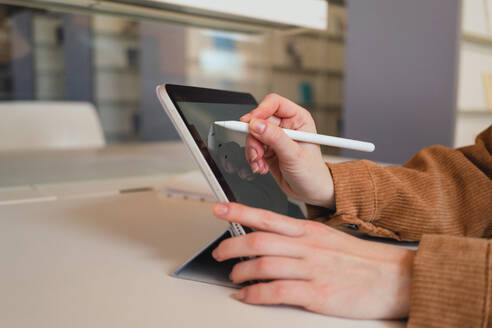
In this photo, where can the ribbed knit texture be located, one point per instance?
(439, 191)
(451, 282)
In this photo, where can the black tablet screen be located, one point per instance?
(224, 149)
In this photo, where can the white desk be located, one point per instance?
(32, 176)
(103, 260)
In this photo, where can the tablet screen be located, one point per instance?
(224, 149)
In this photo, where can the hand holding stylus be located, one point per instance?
(301, 136)
(298, 167)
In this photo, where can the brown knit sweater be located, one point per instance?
(442, 197)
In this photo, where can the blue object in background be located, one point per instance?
(224, 43)
(306, 93)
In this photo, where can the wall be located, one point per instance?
(401, 75)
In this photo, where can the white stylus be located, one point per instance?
(307, 137)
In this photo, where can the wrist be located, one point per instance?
(326, 189)
(404, 285)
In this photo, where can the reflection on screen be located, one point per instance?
(226, 149)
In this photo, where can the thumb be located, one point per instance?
(273, 136)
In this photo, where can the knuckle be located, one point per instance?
(253, 293)
(307, 226)
(279, 292)
(268, 221)
(299, 121)
(272, 95)
(235, 272)
(275, 134)
(218, 252)
(235, 210)
(256, 241)
(317, 295)
(263, 265)
(317, 227)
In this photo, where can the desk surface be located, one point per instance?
(33, 176)
(27, 168)
(84, 257)
(105, 262)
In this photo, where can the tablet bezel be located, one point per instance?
(169, 95)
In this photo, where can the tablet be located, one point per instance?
(220, 152)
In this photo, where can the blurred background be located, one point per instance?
(92, 172)
(115, 62)
(382, 70)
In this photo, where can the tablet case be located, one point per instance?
(203, 267)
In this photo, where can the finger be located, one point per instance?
(290, 292)
(259, 219)
(266, 167)
(258, 244)
(245, 118)
(270, 267)
(254, 149)
(262, 166)
(270, 134)
(274, 104)
(255, 167)
(274, 169)
(275, 120)
(268, 153)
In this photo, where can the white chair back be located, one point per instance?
(36, 125)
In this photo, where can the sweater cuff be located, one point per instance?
(354, 190)
(355, 199)
(452, 281)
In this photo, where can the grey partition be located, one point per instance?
(78, 55)
(162, 53)
(23, 76)
(401, 75)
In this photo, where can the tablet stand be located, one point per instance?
(203, 267)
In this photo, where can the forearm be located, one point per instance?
(441, 190)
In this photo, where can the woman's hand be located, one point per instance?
(298, 167)
(315, 267)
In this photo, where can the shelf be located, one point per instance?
(248, 18)
(300, 70)
(117, 103)
(477, 38)
(47, 45)
(330, 108)
(116, 70)
(131, 36)
(326, 37)
(50, 73)
(314, 34)
(484, 111)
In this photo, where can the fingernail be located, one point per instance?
(240, 295)
(215, 255)
(221, 209)
(258, 126)
(252, 154)
(245, 118)
(255, 167)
